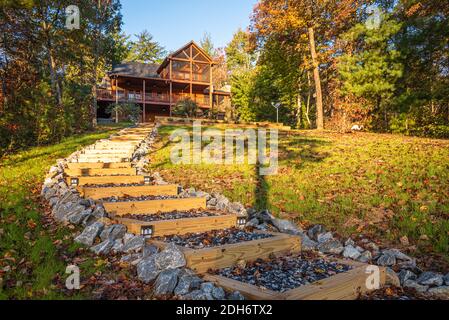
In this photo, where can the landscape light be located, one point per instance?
(147, 180)
(74, 182)
(241, 221)
(147, 231)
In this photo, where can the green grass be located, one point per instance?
(384, 186)
(31, 253)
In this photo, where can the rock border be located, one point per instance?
(167, 268)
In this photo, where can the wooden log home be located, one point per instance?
(186, 73)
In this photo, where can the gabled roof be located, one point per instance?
(136, 70)
(191, 43)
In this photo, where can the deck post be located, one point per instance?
(211, 92)
(171, 86)
(116, 99)
(143, 97)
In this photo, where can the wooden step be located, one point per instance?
(202, 260)
(104, 159)
(136, 191)
(100, 172)
(81, 181)
(344, 286)
(180, 226)
(98, 165)
(109, 152)
(154, 206)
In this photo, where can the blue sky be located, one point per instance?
(173, 23)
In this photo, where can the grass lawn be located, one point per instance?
(32, 251)
(384, 186)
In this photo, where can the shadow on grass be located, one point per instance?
(295, 151)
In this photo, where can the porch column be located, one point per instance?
(143, 96)
(116, 100)
(211, 91)
(171, 93)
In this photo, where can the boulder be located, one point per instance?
(147, 270)
(307, 244)
(166, 282)
(323, 237)
(286, 226)
(90, 233)
(441, 292)
(351, 252)
(170, 258)
(331, 246)
(113, 232)
(236, 296)
(391, 278)
(446, 279)
(195, 295)
(365, 257)
(253, 223)
(78, 217)
(405, 275)
(315, 231)
(430, 279)
(187, 282)
(386, 259)
(414, 285)
(349, 242)
(104, 247)
(149, 250)
(218, 293)
(134, 244)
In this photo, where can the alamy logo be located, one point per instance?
(72, 20)
(373, 279)
(214, 146)
(73, 280)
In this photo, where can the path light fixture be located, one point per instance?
(147, 231)
(74, 182)
(276, 105)
(241, 222)
(147, 180)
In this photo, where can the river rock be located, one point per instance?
(90, 233)
(430, 279)
(166, 282)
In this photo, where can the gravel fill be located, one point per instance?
(111, 185)
(141, 198)
(284, 273)
(171, 215)
(214, 238)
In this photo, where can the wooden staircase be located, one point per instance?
(105, 170)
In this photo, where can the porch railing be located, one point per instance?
(150, 97)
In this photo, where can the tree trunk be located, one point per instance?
(316, 76)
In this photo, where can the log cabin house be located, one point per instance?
(186, 73)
